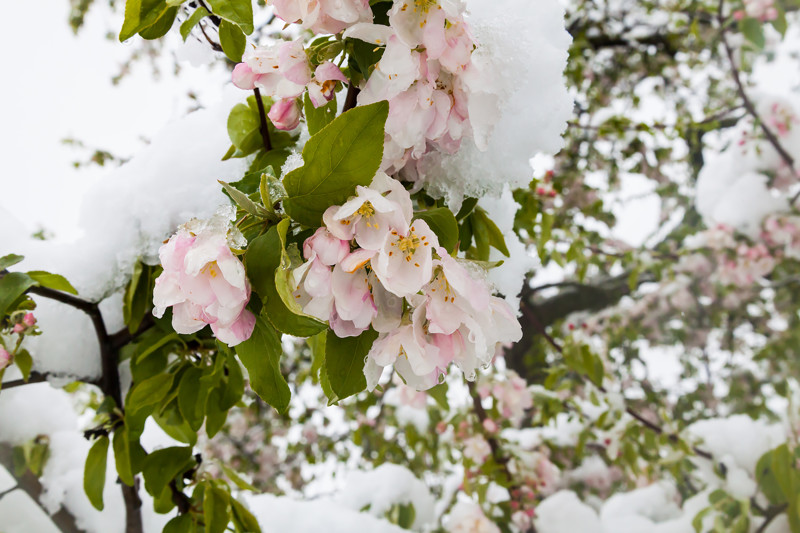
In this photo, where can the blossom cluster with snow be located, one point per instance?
(373, 264)
(203, 282)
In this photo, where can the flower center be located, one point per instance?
(424, 5)
(211, 269)
(409, 244)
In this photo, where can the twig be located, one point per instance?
(748, 104)
(262, 116)
(771, 513)
(632, 412)
(350, 100)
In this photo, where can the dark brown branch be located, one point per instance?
(109, 384)
(351, 99)
(262, 117)
(769, 515)
(30, 484)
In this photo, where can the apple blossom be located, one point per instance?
(372, 214)
(323, 16)
(321, 88)
(405, 261)
(285, 114)
(5, 358)
(468, 517)
(279, 70)
(204, 282)
(476, 449)
(328, 248)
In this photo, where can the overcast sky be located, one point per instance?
(59, 85)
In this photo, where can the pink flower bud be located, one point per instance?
(490, 425)
(19, 328)
(738, 15)
(29, 320)
(243, 77)
(5, 358)
(285, 114)
(441, 427)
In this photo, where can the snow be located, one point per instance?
(509, 277)
(20, 514)
(524, 46)
(739, 437)
(123, 221)
(281, 513)
(563, 512)
(382, 488)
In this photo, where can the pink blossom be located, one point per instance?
(204, 282)
(323, 16)
(5, 358)
(285, 114)
(490, 425)
(321, 89)
(372, 214)
(325, 246)
(29, 320)
(476, 449)
(279, 70)
(468, 517)
(18, 328)
(405, 262)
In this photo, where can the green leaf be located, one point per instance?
(244, 201)
(94, 472)
(122, 456)
(171, 420)
(467, 206)
(237, 479)
(443, 224)
(216, 509)
(344, 361)
(164, 465)
(232, 40)
(239, 12)
(318, 117)
(139, 14)
(346, 153)
(753, 31)
(12, 286)
(180, 524)
(197, 15)
(24, 362)
(439, 393)
(161, 26)
(261, 355)
(243, 520)
(262, 258)
(10, 260)
(243, 129)
(192, 397)
(52, 281)
(149, 392)
(496, 239)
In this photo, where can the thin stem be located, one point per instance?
(530, 315)
(262, 116)
(748, 104)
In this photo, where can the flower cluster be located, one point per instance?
(373, 265)
(282, 71)
(204, 282)
(763, 10)
(427, 75)
(323, 16)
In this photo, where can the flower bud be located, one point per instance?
(285, 114)
(5, 358)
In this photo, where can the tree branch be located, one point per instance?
(30, 484)
(748, 104)
(264, 125)
(350, 100)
